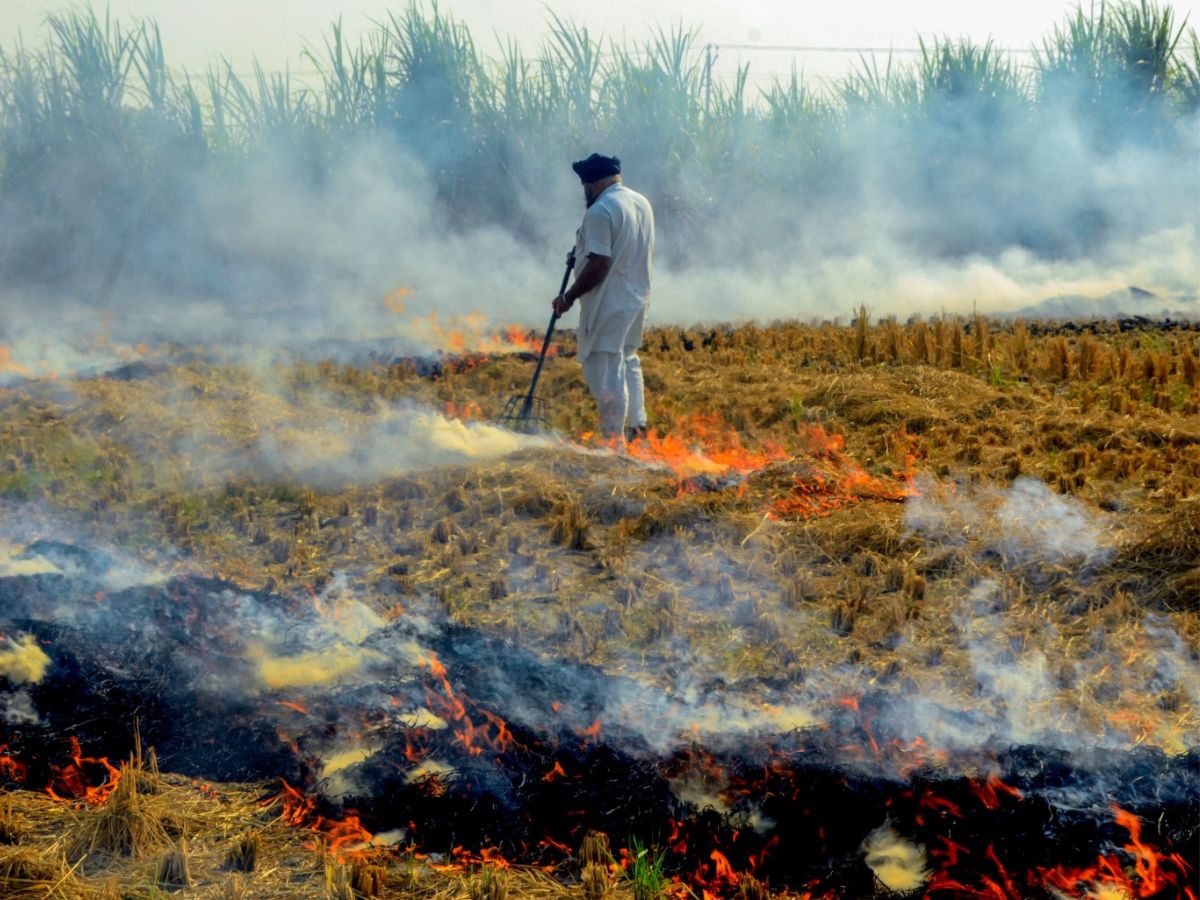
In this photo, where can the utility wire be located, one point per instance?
(803, 48)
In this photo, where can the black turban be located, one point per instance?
(596, 167)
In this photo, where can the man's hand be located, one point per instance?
(594, 271)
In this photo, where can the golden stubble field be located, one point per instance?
(999, 517)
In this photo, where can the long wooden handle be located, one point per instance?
(528, 405)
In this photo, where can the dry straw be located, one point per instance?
(174, 869)
(38, 873)
(11, 829)
(244, 852)
(129, 824)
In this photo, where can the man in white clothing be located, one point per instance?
(615, 246)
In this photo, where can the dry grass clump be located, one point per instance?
(841, 620)
(29, 873)
(750, 888)
(914, 586)
(857, 529)
(542, 498)
(1168, 554)
(1190, 369)
(11, 828)
(173, 872)
(661, 517)
(595, 849)
(444, 530)
(129, 824)
(958, 346)
(285, 866)
(894, 341)
(358, 880)
(244, 852)
(368, 880)
(800, 589)
(594, 882)
(860, 346)
(1088, 362)
(143, 767)
(234, 888)
(489, 884)
(569, 523)
(535, 498)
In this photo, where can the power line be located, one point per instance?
(805, 48)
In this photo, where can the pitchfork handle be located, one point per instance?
(525, 410)
(562, 288)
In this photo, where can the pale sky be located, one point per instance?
(275, 31)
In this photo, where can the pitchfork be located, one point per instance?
(525, 412)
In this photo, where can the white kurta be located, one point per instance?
(619, 225)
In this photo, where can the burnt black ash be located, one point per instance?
(532, 763)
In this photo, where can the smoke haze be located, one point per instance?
(273, 31)
(298, 238)
(336, 652)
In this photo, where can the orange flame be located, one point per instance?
(394, 300)
(297, 807)
(467, 410)
(934, 803)
(723, 870)
(471, 334)
(703, 445)
(1151, 870)
(7, 365)
(492, 734)
(10, 768)
(1151, 874)
(696, 446)
(591, 733)
(343, 837)
(487, 856)
(989, 791)
(1000, 887)
(73, 781)
(559, 846)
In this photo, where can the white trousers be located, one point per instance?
(615, 380)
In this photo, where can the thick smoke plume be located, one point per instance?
(140, 205)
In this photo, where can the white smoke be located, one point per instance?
(899, 864)
(1177, 666)
(1017, 685)
(1036, 523)
(22, 661)
(270, 257)
(17, 708)
(891, 280)
(1026, 522)
(392, 441)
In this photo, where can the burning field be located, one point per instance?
(878, 610)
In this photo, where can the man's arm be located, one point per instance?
(594, 271)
